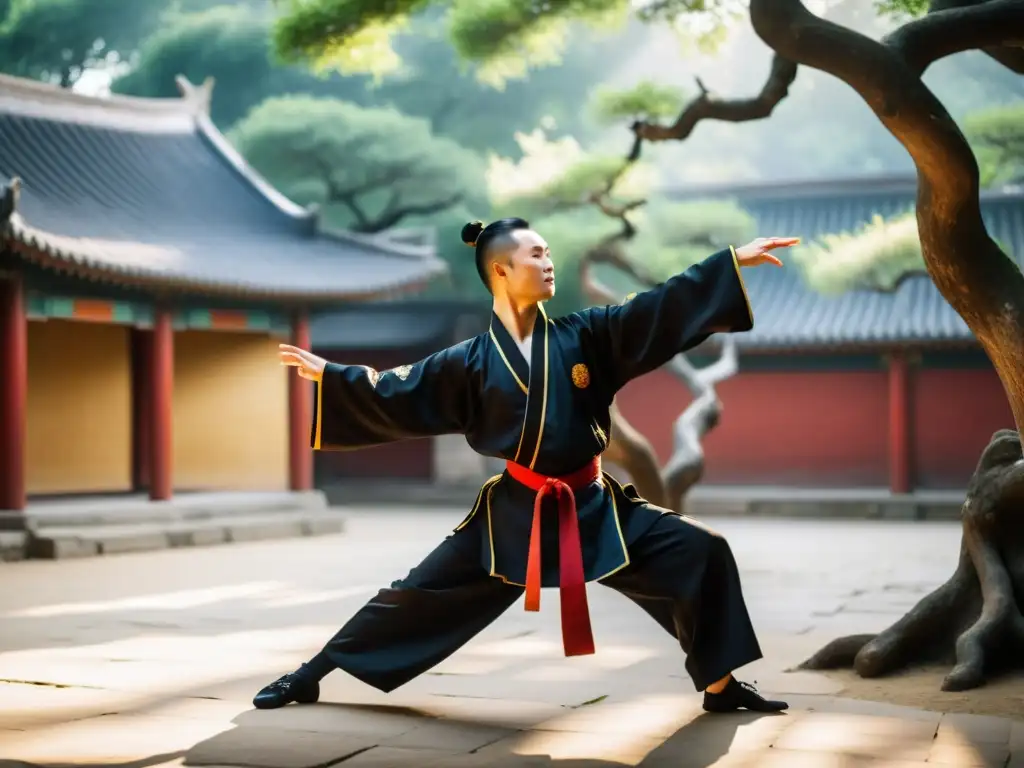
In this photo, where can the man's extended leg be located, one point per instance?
(405, 629)
(685, 577)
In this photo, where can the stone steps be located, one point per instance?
(704, 501)
(89, 527)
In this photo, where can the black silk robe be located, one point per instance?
(551, 416)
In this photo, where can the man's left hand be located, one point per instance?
(758, 252)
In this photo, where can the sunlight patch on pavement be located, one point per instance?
(164, 664)
(621, 732)
(265, 594)
(297, 597)
(108, 740)
(609, 747)
(167, 601)
(518, 647)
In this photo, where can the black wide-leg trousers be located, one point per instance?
(682, 574)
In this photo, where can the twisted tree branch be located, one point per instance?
(707, 107)
(949, 29)
(948, 206)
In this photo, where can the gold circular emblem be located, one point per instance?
(580, 376)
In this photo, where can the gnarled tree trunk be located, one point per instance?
(975, 616)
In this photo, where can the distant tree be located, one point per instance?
(368, 169)
(55, 40)
(877, 256)
(232, 44)
(998, 138)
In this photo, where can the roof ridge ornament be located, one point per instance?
(198, 97)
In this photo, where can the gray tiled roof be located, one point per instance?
(788, 313)
(147, 191)
(380, 325)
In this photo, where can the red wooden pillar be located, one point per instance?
(300, 412)
(14, 397)
(142, 411)
(899, 423)
(161, 403)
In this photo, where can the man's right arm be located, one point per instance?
(357, 407)
(645, 332)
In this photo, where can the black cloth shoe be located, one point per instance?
(737, 695)
(286, 690)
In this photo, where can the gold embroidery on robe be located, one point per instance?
(629, 297)
(372, 375)
(402, 371)
(581, 376)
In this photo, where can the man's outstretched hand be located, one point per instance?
(309, 366)
(758, 252)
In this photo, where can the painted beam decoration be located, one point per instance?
(42, 307)
(138, 314)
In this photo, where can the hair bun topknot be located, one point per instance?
(471, 232)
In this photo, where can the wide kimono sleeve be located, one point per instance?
(646, 331)
(357, 407)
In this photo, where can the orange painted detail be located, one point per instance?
(226, 320)
(93, 310)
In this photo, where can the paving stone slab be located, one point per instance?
(375, 723)
(449, 736)
(396, 757)
(505, 713)
(959, 749)
(562, 747)
(258, 747)
(1017, 736)
(976, 728)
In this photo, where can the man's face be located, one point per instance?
(528, 272)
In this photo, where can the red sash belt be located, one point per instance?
(577, 637)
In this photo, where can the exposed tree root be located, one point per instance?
(974, 620)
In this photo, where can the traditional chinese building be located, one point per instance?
(865, 389)
(146, 277)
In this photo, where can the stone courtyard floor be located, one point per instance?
(152, 660)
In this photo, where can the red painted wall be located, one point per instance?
(810, 429)
(954, 415)
(406, 459)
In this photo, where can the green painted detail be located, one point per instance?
(203, 319)
(124, 313)
(258, 321)
(35, 307)
(60, 307)
(198, 318)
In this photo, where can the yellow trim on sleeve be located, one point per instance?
(743, 285)
(319, 414)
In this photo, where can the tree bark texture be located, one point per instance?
(974, 619)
